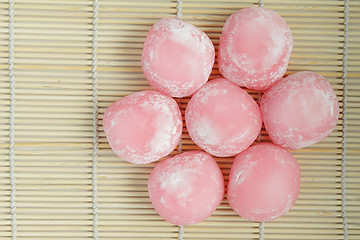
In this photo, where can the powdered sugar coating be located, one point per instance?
(222, 118)
(264, 182)
(255, 47)
(177, 57)
(187, 188)
(300, 110)
(143, 127)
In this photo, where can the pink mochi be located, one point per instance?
(222, 118)
(255, 47)
(143, 127)
(264, 182)
(177, 58)
(300, 110)
(187, 188)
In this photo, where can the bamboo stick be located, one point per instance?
(305, 236)
(332, 12)
(278, 1)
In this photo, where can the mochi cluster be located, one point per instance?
(222, 118)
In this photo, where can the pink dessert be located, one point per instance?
(187, 188)
(143, 127)
(177, 58)
(222, 118)
(264, 182)
(255, 47)
(300, 110)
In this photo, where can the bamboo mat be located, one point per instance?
(63, 62)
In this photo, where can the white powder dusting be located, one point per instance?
(182, 32)
(322, 95)
(245, 106)
(165, 85)
(112, 124)
(224, 91)
(283, 208)
(288, 204)
(205, 132)
(207, 93)
(241, 136)
(151, 54)
(165, 123)
(242, 66)
(202, 128)
(188, 36)
(178, 176)
(168, 125)
(164, 202)
(245, 170)
(276, 48)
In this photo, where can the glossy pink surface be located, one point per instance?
(143, 127)
(255, 47)
(222, 118)
(264, 182)
(177, 57)
(187, 188)
(300, 110)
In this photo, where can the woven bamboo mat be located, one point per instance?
(63, 62)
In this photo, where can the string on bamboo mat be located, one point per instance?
(178, 16)
(181, 232)
(261, 225)
(343, 153)
(179, 149)
(259, 95)
(261, 233)
(178, 9)
(95, 120)
(12, 121)
(261, 4)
